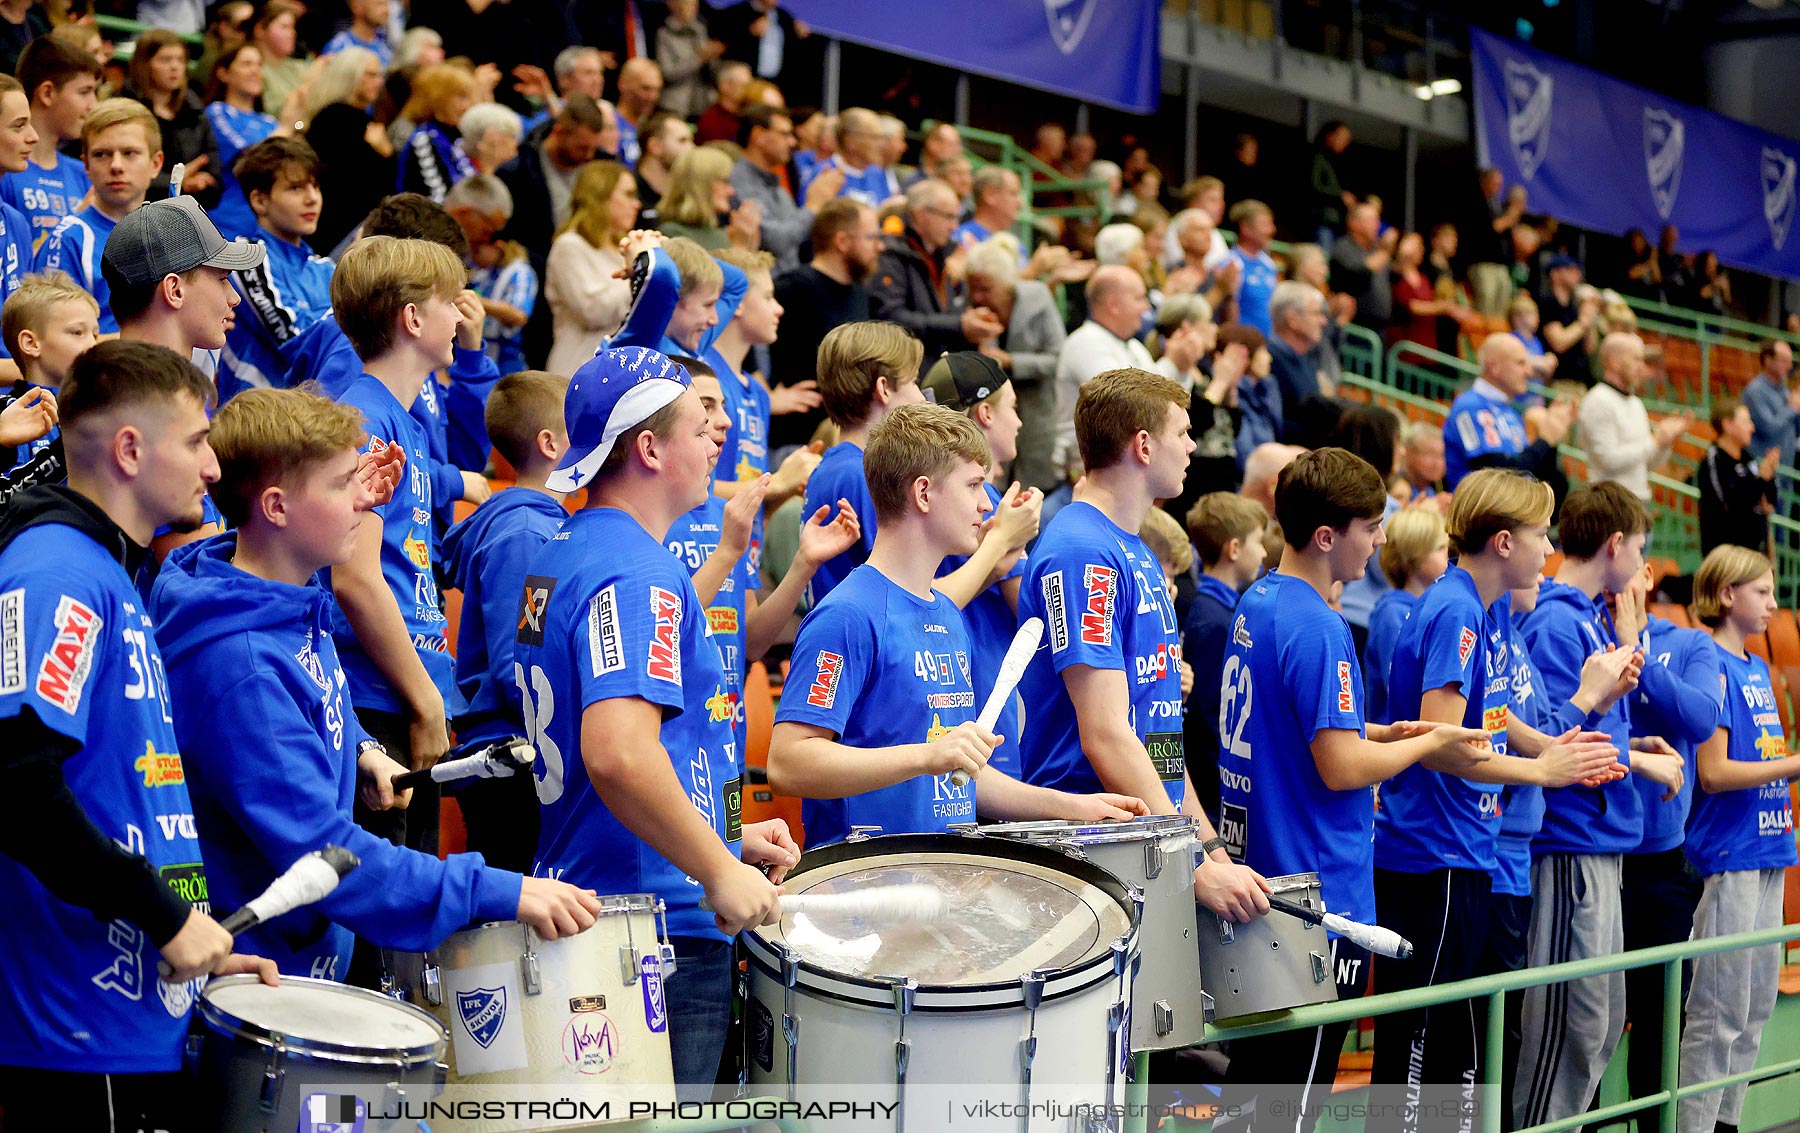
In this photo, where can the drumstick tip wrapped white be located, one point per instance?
(1381, 941)
(894, 903)
(1012, 668)
(307, 880)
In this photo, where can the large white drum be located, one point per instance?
(582, 1017)
(1154, 854)
(1014, 1005)
(1274, 963)
(269, 1054)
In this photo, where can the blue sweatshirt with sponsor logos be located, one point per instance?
(270, 745)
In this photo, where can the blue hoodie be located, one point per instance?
(1566, 628)
(1679, 697)
(269, 744)
(488, 557)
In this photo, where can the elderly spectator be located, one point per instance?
(490, 135)
(862, 148)
(1615, 426)
(1569, 316)
(1117, 303)
(1522, 318)
(356, 164)
(826, 293)
(1027, 349)
(1774, 401)
(1123, 245)
(1331, 202)
(910, 285)
(698, 204)
(1262, 470)
(1422, 461)
(761, 175)
(685, 51)
(159, 79)
(1359, 266)
(661, 143)
(1484, 430)
(720, 122)
(640, 89)
(1736, 495)
(586, 302)
(1196, 237)
(1186, 336)
(1257, 272)
(434, 157)
(998, 199)
(765, 33)
(1298, 313)
(1206, 194)
(959, 173)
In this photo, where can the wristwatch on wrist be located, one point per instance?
(1211, 844)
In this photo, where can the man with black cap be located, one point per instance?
(1568, 312)
(169, 271)
(636, 775)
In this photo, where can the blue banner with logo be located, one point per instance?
(1610, 156)
(1104, 51)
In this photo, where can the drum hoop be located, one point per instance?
(225, 1023)
(1293, 882)
(957, 845)
(945, 999)
(1095, 833)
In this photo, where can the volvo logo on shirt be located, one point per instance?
(1069, 21)
(1778, 193)
(1665, 139)
(1528, 99)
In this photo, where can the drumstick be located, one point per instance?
(1381, 941)
(897, 903)
(1012, 667)
(310, 879)
(176, 175)
(498, 760)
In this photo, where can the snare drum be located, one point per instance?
(1025, 985)
(1274, 963)
(266, 1050)
(582, 1017)
(1153, 854)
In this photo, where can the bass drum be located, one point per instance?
(1018, 998)
(582, 1018)
(1274, 963)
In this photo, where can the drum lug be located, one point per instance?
(790, 1025)
(1153, 860)
(273, 1077)
(862, 833)
(966, 829)
(1031, 990)
(1121, 954)
(529, 974)
(431, 985)
(905, 989)
(1074, 850)
(1164, 1016)
(1321, 966)
(629, 964)
(1207, 1008)
(665, 950)
(1226, 935)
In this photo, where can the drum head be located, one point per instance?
(319, 1015)
(1015, 908)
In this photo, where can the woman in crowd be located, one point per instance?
(276, 35)
(586, 302)
(356, 165)
(234, 99)
(434, 159)
(159, 80)
(490, 135)
(699, 204)
(419, 48)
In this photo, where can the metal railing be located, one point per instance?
(1494, 989)
(1036, 180)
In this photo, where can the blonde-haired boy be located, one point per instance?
(122, 145)
(887, 718)
(46, 324)
(1415, 554)
(244, 619)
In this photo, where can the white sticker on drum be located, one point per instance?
(486, 1006)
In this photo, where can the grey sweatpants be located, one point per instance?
(1570, 1029)
(1732, 996)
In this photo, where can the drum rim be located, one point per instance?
(1289, 882)
(1056, 831)
(223, 1022)
(631, 904)
(952, 997)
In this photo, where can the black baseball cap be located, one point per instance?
(962, 379)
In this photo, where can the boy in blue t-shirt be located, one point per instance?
(1415, 555)
(98, 856)
(1293, 741)
(1437, 830)
(621, 682)
(46, 324)
(888, 715)
(17, 136)
(1741, 839)
(1571, 1030)
(486, 557)
(1227, 531)
(60, 81)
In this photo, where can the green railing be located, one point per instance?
(1036, 179)
(1699, 322)
(1495, 988)
(1360, 352)
(1674, 523)
(1425, 372)
(124, 33)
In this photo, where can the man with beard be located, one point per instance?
(823, 294)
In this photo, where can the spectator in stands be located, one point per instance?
(356, 164)
(542, 177)
(764, 33)
(1050, 144)
(893, 149)
(21, 21)
(60, 82)
(1615, 426)
(1643, 274)
(586, 302)
(490, 135)
(1713, 290)
(275, 33)
(434, 158)
(1309, 264)
(1522, 317)
(1359, 266)
(1678, 285)
(941, 143)
(1206, 194)
(910, 286)
(1187, 336)
(368, 30)
(698, 204)
(826, 293)
(815, 132)
(1774, 401)
(1257, 272)
(1419, 311)
(685, 51)
(1198, 271)
(1146, 187)
(1422, 461)
(234, 105)
(1117, 303)
(1331, 202)
(762, 175)
(1083, 148)
(1027, 349)
(861, 148)
(159, 80)
(1484, 430)
(1245, 173)
(998, 199)
(661, 143)
(640, 89)
(1263, 469)
(720, 121)
(959, 173)
(1736, 496)
(1568, 318)
(1298, 314)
